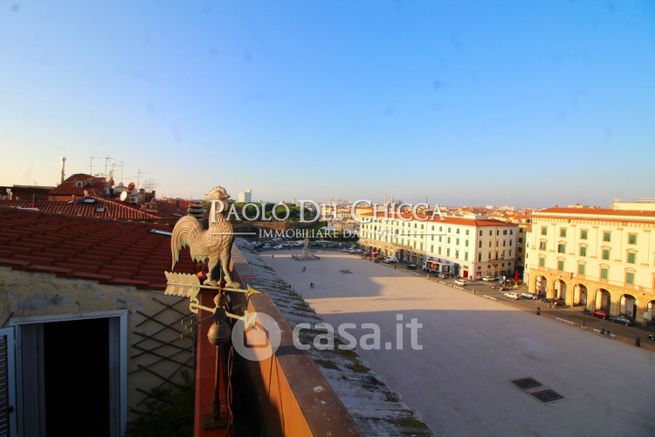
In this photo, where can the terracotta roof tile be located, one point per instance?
(103, 208)
(597, 211)
(446, 219)
(107, 251)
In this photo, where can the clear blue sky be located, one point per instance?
(522, 102)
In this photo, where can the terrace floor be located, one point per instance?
(473, 348)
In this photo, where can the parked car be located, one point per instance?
(560, 302)
(547, 300)
(528, 296)
(390, 260)
(622, 320)
(488, 278)
(411, 266)
(511, 295)
(460, 281)
(601, 314)
(443, 275)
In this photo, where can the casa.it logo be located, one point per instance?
(257, 340)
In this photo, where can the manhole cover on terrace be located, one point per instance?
(526, 383)
(345, 272)
(546, 396)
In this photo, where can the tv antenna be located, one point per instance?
(122, 163)
(107, 159)
(91, 158)
(139, 173)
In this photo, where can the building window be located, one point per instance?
(466, 256)
(583, 234)
(457, 231)
(480, 244)
(603, 273)
(561, 248)
(560, 265)
(481, 232)
(562, 233)
(544, 230)
(606, 254)
(607, 236)
(467, 232)
(457, 254)
(583, 251)
(630, 278)
(439, 251)
(448, 240)
(448, 252)
(580, 269)
(542, 245)
(457, 242)
(542, 262)
(504, 231)
(479, 257)
(631, 257)
(632, 238)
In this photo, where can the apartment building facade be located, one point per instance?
(603, 259)
(466, 247)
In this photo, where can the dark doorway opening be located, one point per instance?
(77, 375)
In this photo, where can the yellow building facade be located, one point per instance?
(603, 259)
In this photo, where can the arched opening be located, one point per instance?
(649, 316)
(603, 300)
(580, 295)
(541, 284)
(560, 289)
(628, 306)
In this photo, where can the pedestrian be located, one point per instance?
(311, 285)
(538, 311)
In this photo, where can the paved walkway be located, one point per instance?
(473, 348)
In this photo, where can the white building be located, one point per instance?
(245, 196)
(466, 247)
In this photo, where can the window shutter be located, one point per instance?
(7, 383)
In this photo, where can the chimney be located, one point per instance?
(63, 169)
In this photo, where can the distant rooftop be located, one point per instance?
(595, 211)
(446, 219)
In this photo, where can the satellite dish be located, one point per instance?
(123, 196)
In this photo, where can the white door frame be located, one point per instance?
(122, 316)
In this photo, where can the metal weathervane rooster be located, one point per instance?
(214, 244)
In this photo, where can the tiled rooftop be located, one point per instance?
(92, 184)
(101, 208)
(446, 219)
(110, 252)
(597, 211)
